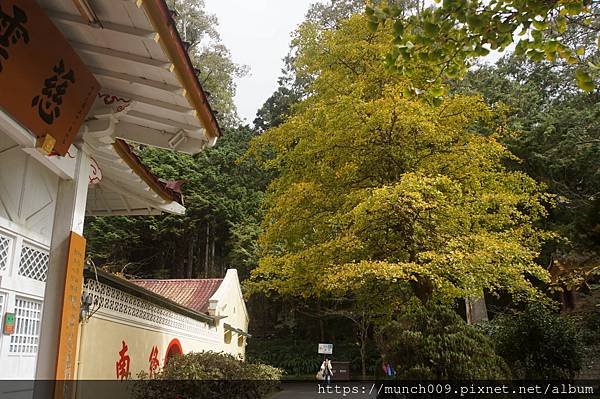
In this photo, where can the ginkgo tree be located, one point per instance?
(375, 183)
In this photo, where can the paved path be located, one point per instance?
(296, 391)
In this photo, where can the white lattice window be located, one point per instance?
(28, 314)
(4, 246)
(33, 263)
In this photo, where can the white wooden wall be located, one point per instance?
(27, 205)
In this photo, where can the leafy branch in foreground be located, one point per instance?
(447, 36)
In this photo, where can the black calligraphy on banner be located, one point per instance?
(12, 29)
(55, 87)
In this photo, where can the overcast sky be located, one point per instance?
(257, 32)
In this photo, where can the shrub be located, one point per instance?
(208, 375)
(538, 343)
(432, 342)
(588, 324)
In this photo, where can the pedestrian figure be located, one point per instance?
(385, 366)
(326, 370)
(390, 371)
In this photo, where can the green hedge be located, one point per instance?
(208, 375)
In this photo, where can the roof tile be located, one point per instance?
(191, 293)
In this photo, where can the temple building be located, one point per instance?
(147, 322)
(81, 83)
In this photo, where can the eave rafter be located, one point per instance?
(126, 211)
(137, 80)
(151, 62)
(123, 29)
(109, 183)
(154, 102)
(158, 138)
(163, 121)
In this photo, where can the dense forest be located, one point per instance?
(385, 182)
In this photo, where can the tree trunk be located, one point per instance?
(206, 251)
(212, 257)
(169, 265)
(189, 266)
(179, 261)
(363, 330)
(266, 315)
(321, 324)
(423, 288)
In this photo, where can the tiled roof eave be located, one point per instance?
(140, 292)
(192, 293)
(134, 162)
(160, 17)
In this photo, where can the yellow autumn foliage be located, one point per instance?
(377, 183)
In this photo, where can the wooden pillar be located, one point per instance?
(69, 216)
